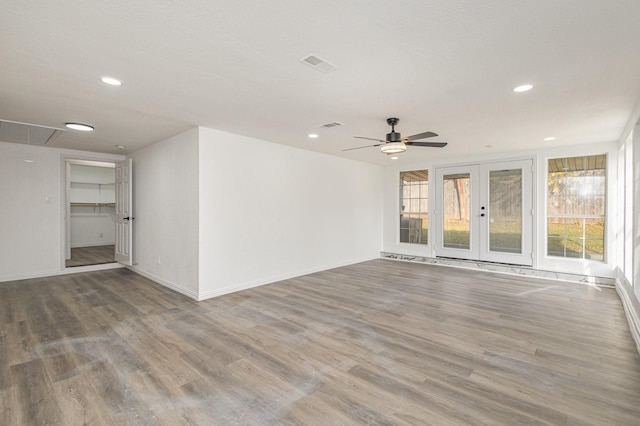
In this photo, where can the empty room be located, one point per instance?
(320, 213)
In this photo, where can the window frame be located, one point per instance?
(423, 204)
(583, 217)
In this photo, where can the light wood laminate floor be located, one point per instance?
(94, 255)
(381, 342)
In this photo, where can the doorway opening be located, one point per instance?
(90, 213)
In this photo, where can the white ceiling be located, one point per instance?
(448, 66)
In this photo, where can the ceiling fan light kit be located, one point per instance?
(393, 148)
(394, 143)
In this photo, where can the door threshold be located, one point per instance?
(482, 262)
(90, 268)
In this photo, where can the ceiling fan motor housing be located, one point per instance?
(394, 137)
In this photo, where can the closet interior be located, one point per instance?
(91, 214)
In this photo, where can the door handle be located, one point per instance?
(482, 215)
(131, 218)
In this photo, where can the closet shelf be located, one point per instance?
(92, 183)
(93, 204)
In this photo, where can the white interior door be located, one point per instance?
(124, 212)
(485, 212)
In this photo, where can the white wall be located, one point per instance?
(92, 226)
(269, 212)
(29, 224)
(31, 209)
(165, 194)
(635, 269)
(541, 261)
(628, 279)
(93, 174)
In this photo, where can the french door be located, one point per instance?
(485, 212)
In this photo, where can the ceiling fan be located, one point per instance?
(395, 143)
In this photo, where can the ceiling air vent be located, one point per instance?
(28, 134)
(332, 124)
(318, 63)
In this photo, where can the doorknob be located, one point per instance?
(482, 215)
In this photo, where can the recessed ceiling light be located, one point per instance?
(79, 126)
(394, 158)
(313, 135)
(28, 161)
(550, 138)
(121, 147)
(523, 88)
(111, 81)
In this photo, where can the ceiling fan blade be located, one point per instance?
(429, 144)
(371, 139)
(424, 135)
(360, 147)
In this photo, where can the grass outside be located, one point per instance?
(569, 237)
(456, 234)
(561, 237)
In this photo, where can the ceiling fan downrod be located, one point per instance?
(393, 136)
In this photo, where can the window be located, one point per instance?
(576, 195)
(629, 166)
(414, 203)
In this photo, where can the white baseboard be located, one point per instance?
(52, 273)
(173, 286)
(238, 287)
(633, 316)
(273, 279)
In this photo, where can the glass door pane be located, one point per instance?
(505, 211)
(456, 231)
